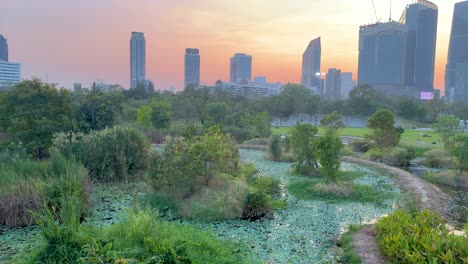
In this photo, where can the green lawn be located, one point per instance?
(413, 138)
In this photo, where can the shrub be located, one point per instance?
(29, 187)
(437, 159)
(346, 151)
(268, 185)
(360, 145)
(448, 178)
(257, 141)
(257, 205)
(375, 155)
(112, 154)
(398, 157)
(419, 238)
(275, 149)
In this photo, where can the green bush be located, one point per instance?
(346, 151)
(398, 157)
(139, 238)
(111, 154)
(257, 141)
(419, 238)
(30, 187)
(437, 159)
(268, 185)
(360, 145)
(274, 148)
(257, 205)
(375, 155)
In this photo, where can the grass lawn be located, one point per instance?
(413, 138)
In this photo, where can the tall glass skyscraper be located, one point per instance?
(382, 52)
(241, 67)
(333, 84)
(421, 19)
(192, 68)
(311, 60)
(137, 59)
(456, 74)
(3, 49)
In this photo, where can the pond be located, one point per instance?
(306, 231)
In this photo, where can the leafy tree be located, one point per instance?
(97, 109)
(32, 112)
(281, 105)
(434, 108)
(161, 114)
(198, 99)
(407, 108)
(328, 152)
(143, 90)
(144, 115)
(332, 121)
(460, 151)
(218, 111)
(312, 106)
(363, 99)
(302, 143)
(461, 111)
(299, 95)
(274, 148)
(447, 127)
(383, 128)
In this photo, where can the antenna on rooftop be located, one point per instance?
(390, 19)
(375, 12)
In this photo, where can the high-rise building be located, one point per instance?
(192, 68)
(3, 49)
(311, 60)
(382, 53)
(77, 87)
(421, 19)
(137, 59)
(347, 84)
(10, 73)
(241, 68)
(333, 84)
(456, 73)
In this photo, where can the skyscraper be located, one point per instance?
(192, 68)
(333, 84)
(10, 73)
(137, 59)
(456, 73)
(241, 67)
(3, 49)
(382, 53)
(347, 84)
(311, 60)
(421, 19)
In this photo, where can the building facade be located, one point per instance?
(382, 53)
(421, 19)
(250, 89)
(240, 68)
(347, 84)
(333, 84)
(10, 74)
(311, 60)
(3, 49)
(192, 68)
(456, 73)
(137, 59)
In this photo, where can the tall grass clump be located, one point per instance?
(420, 237)
(139, 238)
(29, 187)
(112, 154)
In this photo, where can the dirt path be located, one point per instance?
(427, 195)
(366, 246)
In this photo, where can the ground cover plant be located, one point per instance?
(31, 187)
(420, 237)
(112, 154)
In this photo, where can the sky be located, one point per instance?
(68, 41)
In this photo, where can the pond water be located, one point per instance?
(306, 231)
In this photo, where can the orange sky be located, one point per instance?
(88, 40)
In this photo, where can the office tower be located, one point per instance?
(3, 49)
(241, 67)
(192, 68)
(382, 53)
(77, 87)
(137, 59)
(333, 84)
(311, 64)
(456, 73)
(421, 19)
(347, 84)
(10, 73)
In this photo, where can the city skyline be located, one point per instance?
(290, 25)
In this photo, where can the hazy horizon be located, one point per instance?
(86, 41)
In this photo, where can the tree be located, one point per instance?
(447, 127)
(461, 111)
(198, 100)
(383, 128)
(434, 108)
(407, 108)
(302, 143)
(218, 111)
(363, 99)
(328, 152)
(32, 112)
(332, 121)
(157, 114)
(299, 95)
(460, 151)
